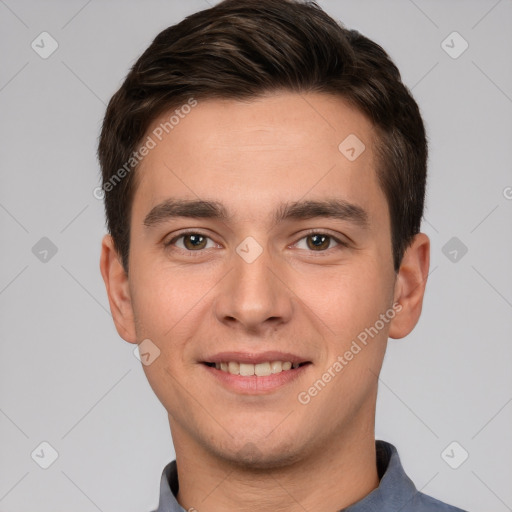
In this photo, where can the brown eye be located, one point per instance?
(192, 242)
(318, 241)
(196, 241)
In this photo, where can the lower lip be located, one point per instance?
(254, 385)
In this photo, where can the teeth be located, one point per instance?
(246, 370)
(233, 368)
(260, 369)
(276, 366)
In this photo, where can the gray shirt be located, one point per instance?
(396, 492)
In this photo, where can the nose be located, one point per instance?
(254, 295)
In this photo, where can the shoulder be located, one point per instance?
(424, 503)
(396, 489)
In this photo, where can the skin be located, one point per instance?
(265, 452)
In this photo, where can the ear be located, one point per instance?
(118, 291)
(410, 286)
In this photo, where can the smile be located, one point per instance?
(260, 378)
(260, 370)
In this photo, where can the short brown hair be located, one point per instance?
(245, 48)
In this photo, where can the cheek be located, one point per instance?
(162, 296)
(169, 307)
(345, 298)
(155, 308)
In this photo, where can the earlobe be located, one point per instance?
(410, 286)
(118, 291)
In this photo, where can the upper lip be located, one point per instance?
(254, 358)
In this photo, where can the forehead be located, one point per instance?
(249, 154)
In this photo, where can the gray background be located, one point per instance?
(68, 379)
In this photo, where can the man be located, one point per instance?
(264, 174)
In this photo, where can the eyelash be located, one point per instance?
(168, 245)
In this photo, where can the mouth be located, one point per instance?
(255, 374)
(263, 369)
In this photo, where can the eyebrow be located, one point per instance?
(298, 210)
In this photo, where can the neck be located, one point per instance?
(330, 478)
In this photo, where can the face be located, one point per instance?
(297, 269)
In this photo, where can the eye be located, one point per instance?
(320, 242)
(193, 241)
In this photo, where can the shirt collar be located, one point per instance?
(395, 489)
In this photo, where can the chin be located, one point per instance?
(258, 455)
